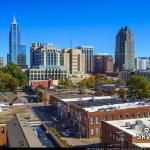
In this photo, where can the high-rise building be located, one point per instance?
(103, 63)
(88, 51)
(45, 55)
(124, 54)
(74, 60)
(17, 51)
(143, 63)
(1, 62)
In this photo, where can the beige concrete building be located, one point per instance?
(74, 61)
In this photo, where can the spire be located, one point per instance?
(14, 21)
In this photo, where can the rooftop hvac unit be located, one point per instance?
(128, 124)
(139, 127)
(133, 126)
(139, 122)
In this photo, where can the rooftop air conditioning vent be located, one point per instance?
(139, 122)
(128, 124)
(132, 126)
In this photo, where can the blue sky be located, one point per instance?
(87, 22)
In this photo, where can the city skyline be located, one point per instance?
(84, 28)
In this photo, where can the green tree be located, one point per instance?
(8, 83)
(122, 93)
(17, 73)
(111, 91)
(138, 87)
(68, 83)
(99, 92)
(61, 82)
(90, 82)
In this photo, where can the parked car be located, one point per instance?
(65, 134)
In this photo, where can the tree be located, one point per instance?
(99, 92)
(68, 83)
(122, 93)
(138, 87)
(121, 82)
(17, 73)
(111, 91)
(8, 83)
(61, 82)
(90, 82)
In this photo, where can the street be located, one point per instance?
(44, 113)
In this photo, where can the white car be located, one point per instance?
(65, 134)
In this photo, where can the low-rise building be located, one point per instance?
(87, 115)
(48, 73)
(86, 112)
(131, 133)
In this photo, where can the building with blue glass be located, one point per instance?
(46, 63)
(45, 55)
(17, 51)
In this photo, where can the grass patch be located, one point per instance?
(57, 134)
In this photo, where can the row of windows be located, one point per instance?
(120, 117)
(95, 132)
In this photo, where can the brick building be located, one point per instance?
(103, 63)
(89, 123)
(3, 135)
(86, 113)
(126, 133)
(44, 83)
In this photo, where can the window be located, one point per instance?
(92, 131)
(127, 116)
(92, 120)
(120, 117)
(97, 131)
(133, 115)
(149, 114)
(110, 134)
(2, 130)
(97, 120)
(112, 117)
(138, 115)
(113, 136)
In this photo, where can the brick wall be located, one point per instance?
(112, 115)
(3, 135)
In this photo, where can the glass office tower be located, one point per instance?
(17, 51)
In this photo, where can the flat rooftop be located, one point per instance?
(119, 106)
(133, 127)
(24, 112)
(63, 95)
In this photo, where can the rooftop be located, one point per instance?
(21, 134)
(7, 97)
(133, 127)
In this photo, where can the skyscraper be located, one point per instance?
(124, 54)
(17, 51)
(88, 51)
